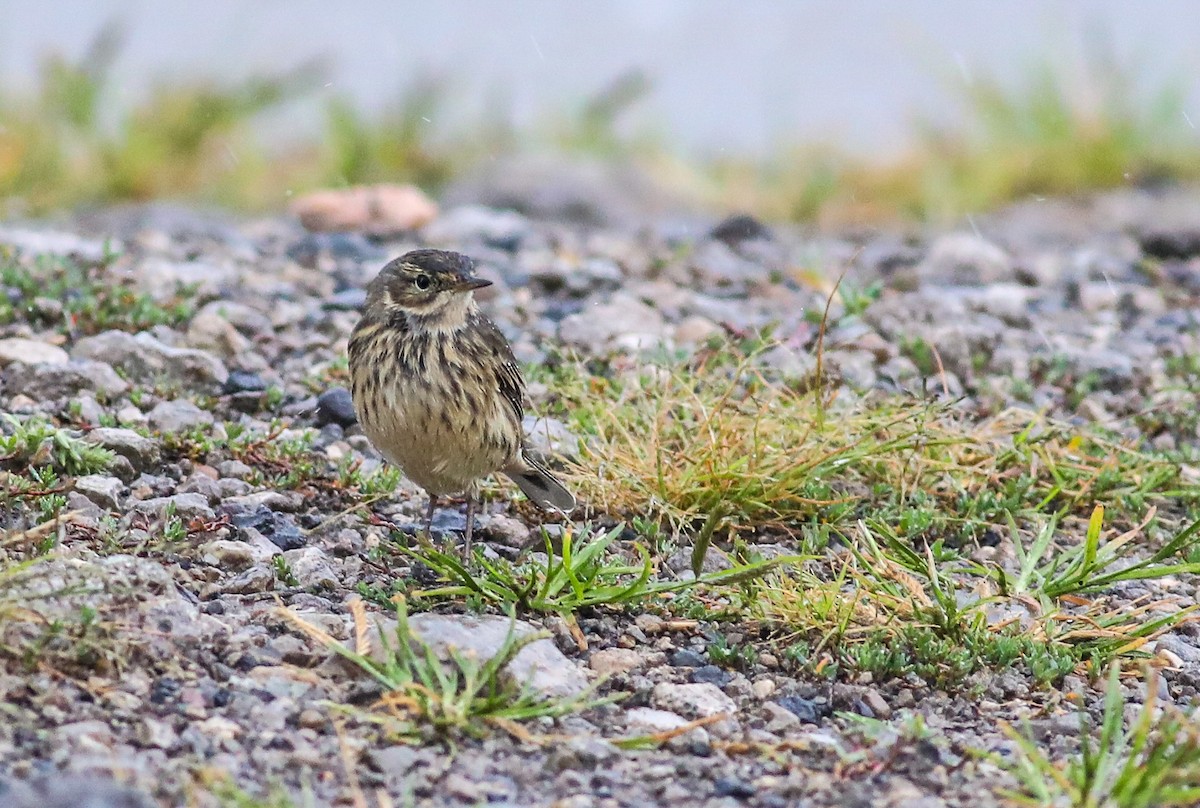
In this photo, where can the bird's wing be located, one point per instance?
(508, 372)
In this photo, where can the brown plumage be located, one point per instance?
(436, 386)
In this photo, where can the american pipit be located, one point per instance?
(436, 387)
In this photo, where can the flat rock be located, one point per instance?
(50, 381)
(31, 352)
(612, 661)
(694, 700)
(178, 415)
(623, 324)
(539, 666)
(146, 360)
(187, 506)
(141, 451)
(101, 489)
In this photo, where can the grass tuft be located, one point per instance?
(457, 695)
(1155, 762)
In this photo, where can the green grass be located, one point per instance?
(427, 695)
(78, 298)
(887, 499)
(1153, 762)
(35, 456)
(199, 139)
(583, 572)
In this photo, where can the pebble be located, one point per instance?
(103, 490)
(44, 382)
(381, 210)
(177, 416)
(142, 452)
(31, 352)
(539, 666)
(712, 674)
(613, 661)
(243, 381)
(336, 406)
(148, 361)
(311, 567)
(696, 700)
(186, 506)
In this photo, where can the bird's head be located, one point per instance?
(432, 284)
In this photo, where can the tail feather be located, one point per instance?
(541, 486)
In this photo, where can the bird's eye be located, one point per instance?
(422, 282)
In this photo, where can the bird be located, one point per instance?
(436, 387)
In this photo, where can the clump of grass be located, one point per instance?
(886, 498)
(425, 693)
(1043, 136)
(78, 298)
(196, 139)
(1155, 762)
(582, 573)
(888, 609)
(36, 444)
(193, 138)
(720, 435)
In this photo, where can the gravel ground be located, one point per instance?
(171, 661)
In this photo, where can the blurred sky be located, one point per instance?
(738, 75)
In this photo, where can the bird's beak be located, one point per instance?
(466, 283)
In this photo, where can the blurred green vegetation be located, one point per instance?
(67, 144)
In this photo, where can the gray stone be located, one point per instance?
(245, 319)
(1179, 646)
(147, 360)
(72, 791)
(259, 578)
(163, 279)
(539, 666)
(716, 263)
(54, 242)
(141, 452)
(646, 720)
(101, 489)
(31, 352)
(505, 229)
(613, 661)
(335, 406)
(312, 568)
(233, 555)
(694, 700)
(965, 259)
(210, 332)
(187, 506)
(177, 415)
(624, 324)
(549, 437)
(45, 382)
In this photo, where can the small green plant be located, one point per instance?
(35, 442)
(1047, 570)
(283, 571)
(452, 695)
(87, 297)
(584, 575)
(1155, 763)
(740, 656)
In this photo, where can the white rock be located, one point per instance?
(31, 352)
(696, 699)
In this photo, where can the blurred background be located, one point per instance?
(826, 111)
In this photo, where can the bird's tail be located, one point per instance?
(541, 486)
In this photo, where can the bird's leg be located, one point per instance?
(429, 517)
(470, 526)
